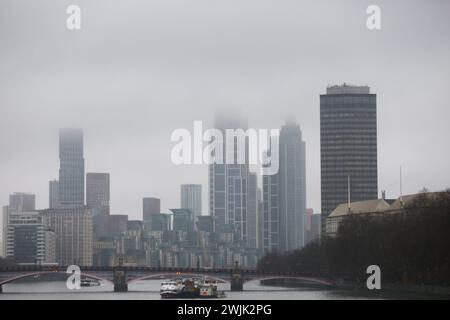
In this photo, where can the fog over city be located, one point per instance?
(138, 70)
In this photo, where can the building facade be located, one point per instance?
(53, 193)
(348, 146)
(29, 239)
(73, 235)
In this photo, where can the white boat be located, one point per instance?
(171, 288)
(208, 289)
(87, 282)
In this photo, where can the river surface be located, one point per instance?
(149, 290)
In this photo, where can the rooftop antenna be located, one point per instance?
(348, 193)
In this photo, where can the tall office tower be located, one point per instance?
(53, 193)
(150, 206)
(71, 172)
(73, 235)
(97, 192)
(252, 213)
(285, 194)
(29, 238)
(348, 146)
(228, 182)
(191, 198)
(21, 202)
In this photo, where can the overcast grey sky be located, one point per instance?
(137, 70)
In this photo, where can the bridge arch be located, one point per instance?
(39, 273)
(304, 279)
(172, 275)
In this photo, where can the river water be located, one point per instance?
(149, 290)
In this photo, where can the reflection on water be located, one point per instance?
(149, 290)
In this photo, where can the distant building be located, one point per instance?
(160, 222)
(205, 223)
(98, 192)
(316, 226)
(29, 239)
(118, 224)
(71, 172)
(53, 192)
(348, 146)
(183, 220)
(73, 233)
(150, 206)
(191, 198)
(21, 202)
(285, 194)
(308, 224)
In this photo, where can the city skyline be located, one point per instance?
(265, 81)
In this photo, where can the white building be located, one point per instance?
(333, 221)
(73, 234)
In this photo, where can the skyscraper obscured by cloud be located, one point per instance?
(284, 194)
(228, 183)
(71, 172)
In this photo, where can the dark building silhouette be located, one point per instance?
(348, 146)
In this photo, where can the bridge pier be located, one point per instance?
(237, 283)
(1, 289)
(120, 280)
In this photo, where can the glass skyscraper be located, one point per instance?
(348, 146)
(71, 172)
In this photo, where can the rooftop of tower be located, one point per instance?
(348, 89)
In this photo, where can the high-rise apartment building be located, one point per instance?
(29, 238)
(191, 198)
(228, 181)
(71, 172)
(348, 146)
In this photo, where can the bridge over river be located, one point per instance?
(121, 276)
